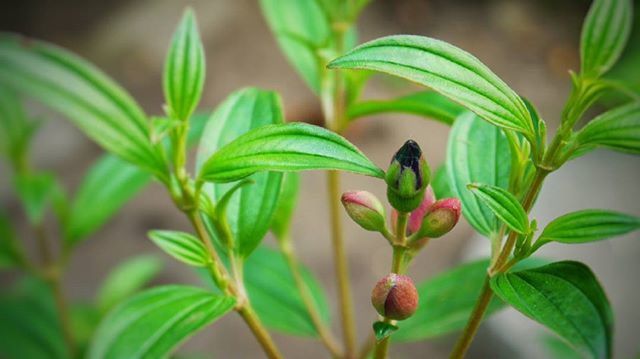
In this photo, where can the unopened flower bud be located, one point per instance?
(441, 217)
(395, 296)
(407, 177)
(365, 209)
(417, 215)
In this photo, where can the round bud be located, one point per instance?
(441, 217)
(395, 297)
(365, 209)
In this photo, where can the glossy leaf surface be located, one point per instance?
(617, 129)
(588, 226)
(181, 246)
(504, 205)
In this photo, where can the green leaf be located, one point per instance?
(446, 301)
(184, 70)
(281, 222)
(181, 246)
(617, 129)
(126, 279)
(107, 186)
(383, 330)
(36, 192)
(9, 253)
(440, 183)
(604, 35)
(447, 69)
(71, 85)
(588, 226)
(286, 147)
(29, 326)
(504, 205)
(275, 297)
(565, 297)
(249, 213)
(427, 104)
(301, 29)
(155, 322)
(558, 348)
(16, 130)
(477, 152)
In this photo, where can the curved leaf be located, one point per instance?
(427, 104)
(181, 246)
(588, 226)
(153, 323)
(565, 297)
(504, 205)
(71, 85)
(446, 69)
(477, 152)
(184, 70)
(249, 212)
(604, 35)
(286, 147)
(617, 129)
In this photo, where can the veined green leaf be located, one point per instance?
(181, 246)
(588, 226)
(604, 35)
(71, 85)
(126, 279)
(184, 70)
(286, 147)
(153, 323)
(106, 187)
(565, 297)
(446, 301)
(249, 212)
(285, 207)
(428, 104)
(275, 297)
(301, 29)
(617, 129)
(504, 205)
(446, 69)
(477, 152)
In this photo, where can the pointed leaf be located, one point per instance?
(286, 147)
(383, 330)
(76, 88)
(184, 70)
(565, 297)
(36, 191)
(477, 152)
(446, 69)
(588, 226)
(181, 246)
(155, 322)
(617, 129)
(504, 205)
(604, 35)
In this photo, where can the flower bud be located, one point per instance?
(417, 215)
(365, 209)
(395, 296)
(441, 217)
(407, 177)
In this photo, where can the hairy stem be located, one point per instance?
(326, 336)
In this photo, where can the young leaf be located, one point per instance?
(36, 192)
(447, 69)
(286, 147)
(428, 104)
(71, 85)
(383, 330)
(275, 297)
(477, 152)
(617, 129)
(565, 297)
(301, 29)
(286, 205)
(126, 279)
(604, 35)
(249, 212)
(446, 301)
(106, 187)
(153, 323)
(504, 205)
(184, 70)
(588, 226)
(16, 130)
(181, 246)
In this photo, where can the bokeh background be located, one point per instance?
(530, 44)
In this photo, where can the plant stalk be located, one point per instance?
(248, 314)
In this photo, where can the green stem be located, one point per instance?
(249, 315)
